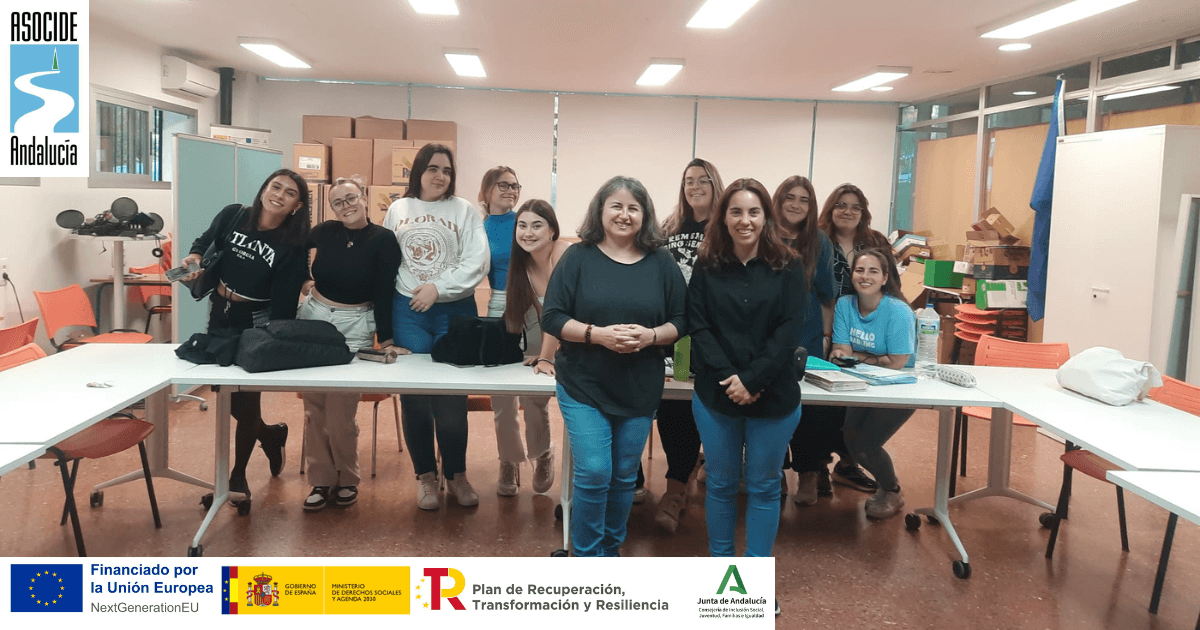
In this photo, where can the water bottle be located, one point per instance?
(928, 331)
(683, 358)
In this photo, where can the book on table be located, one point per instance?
(876, 375)
(835, 381)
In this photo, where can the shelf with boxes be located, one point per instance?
(380, 151)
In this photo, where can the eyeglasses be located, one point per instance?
(348, 200)
(842, 206)
(506, 186)
(692, 183)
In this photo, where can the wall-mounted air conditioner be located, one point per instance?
(188, 79)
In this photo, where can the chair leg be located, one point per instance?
(374, 435)
(396, 410)
(149, 483)
(1162, 563)
(303, 445)
(69, 489)
(958, 421)
(1064, 497)
(66, 510)
(966, 424)
(1065, 489)
(1121, 514)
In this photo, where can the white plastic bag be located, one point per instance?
(1106, 375)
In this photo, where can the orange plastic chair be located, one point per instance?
(69, 306)
(14, 337)
(1003, 353)
(145, 292)
(107, 437)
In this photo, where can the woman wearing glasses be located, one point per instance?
(353, 269)
(699, 189)
(498, 195)
(444, 255)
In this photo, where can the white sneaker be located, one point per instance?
(427, 491)
(543, 472)
(463, 492)
(884, 503)
(806, 492)
(510, 479)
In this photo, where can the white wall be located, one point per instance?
(856, 143)
(41, 256)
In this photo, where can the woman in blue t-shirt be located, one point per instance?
(877, 327)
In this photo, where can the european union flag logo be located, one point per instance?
(47, 588)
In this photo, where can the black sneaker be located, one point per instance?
(346, 495)
(317, 499)
(824, 487)
(852, 476)
(777, 608)
(273, 439)
(239, 490)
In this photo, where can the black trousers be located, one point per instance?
(818, 434)
(245, 407)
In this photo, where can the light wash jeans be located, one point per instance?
(607, 452)
(765, 440)
(504, 408)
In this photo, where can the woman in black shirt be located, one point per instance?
(613, 301)
(746, 302)
(353, 269)
(261, 272)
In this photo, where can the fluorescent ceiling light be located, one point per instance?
(1142, 92)
(883, 74)
(720, 13)
(1052, 18)
(1024, 93)
(882, 88)
(660, 71)
(1015, 47)
(466, 63)
(434, 7)
(273, 52)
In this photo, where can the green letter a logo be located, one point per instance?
(737, 585)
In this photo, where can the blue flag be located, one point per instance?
(47, 588)
(1040, 201)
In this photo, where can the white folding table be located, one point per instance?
(12, 456)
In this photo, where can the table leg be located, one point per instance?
(1162, 563)
(945, 469)
(118, 298)
(157, 448)
(999, 464)
(220, 468)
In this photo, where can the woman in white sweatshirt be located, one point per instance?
(445, 254)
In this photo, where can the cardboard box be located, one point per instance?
(380, 198)
(353, 156)
(381, 159)
(418, 143)
(962, 267)
(1001, 293)
(311, 161)
(912, 283)
(372, 128)
(984, 271)
(992, 220)
(402, 162)
(432, 130)
(240, 135)
(913, 251)
(1001, 255)
(969, 285)
(940, 273)
(941, 249)
(323, 129)
(316, 202)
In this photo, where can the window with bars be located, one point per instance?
(132, 143)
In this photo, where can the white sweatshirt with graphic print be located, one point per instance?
(442, 242)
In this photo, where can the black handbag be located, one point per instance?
(210, 264)
(479, 341)
(217, 346)
(286, 344)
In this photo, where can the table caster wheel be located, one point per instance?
(206, 500)
(196, 552)
(243, 507)
(912, 522)
(932, 519)
(97, 498)
(1046, 519)
(558, 512)
(204, 406)
(558, 553)
(962, 570)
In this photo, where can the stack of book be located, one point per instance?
(834, 381)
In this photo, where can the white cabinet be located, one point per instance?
(1113, 270)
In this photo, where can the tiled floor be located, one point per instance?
(835, 568)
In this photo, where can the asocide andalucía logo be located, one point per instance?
(45, 112)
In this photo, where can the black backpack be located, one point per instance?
(287, 344)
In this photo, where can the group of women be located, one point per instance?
(748, 275)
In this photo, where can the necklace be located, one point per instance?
(349, 240)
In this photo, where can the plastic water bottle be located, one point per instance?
(683, 358)
(928, 331)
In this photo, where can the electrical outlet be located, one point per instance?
(3, 271)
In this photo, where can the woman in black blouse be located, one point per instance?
(746, 303)
(353, 268)
(261, 272)
(614, 300)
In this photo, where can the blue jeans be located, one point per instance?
(426, 415)
(607, 452)
(765, 440)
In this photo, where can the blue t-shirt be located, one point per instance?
(890, 329)
(499, 228)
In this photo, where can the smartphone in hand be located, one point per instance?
(178, 273)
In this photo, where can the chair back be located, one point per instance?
(1178, 394)
(24, 354)
(14, 337)
(147, 291)
(1004, 353)
(68, 306)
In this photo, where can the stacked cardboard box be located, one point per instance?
(379, 151)
(995, 264)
